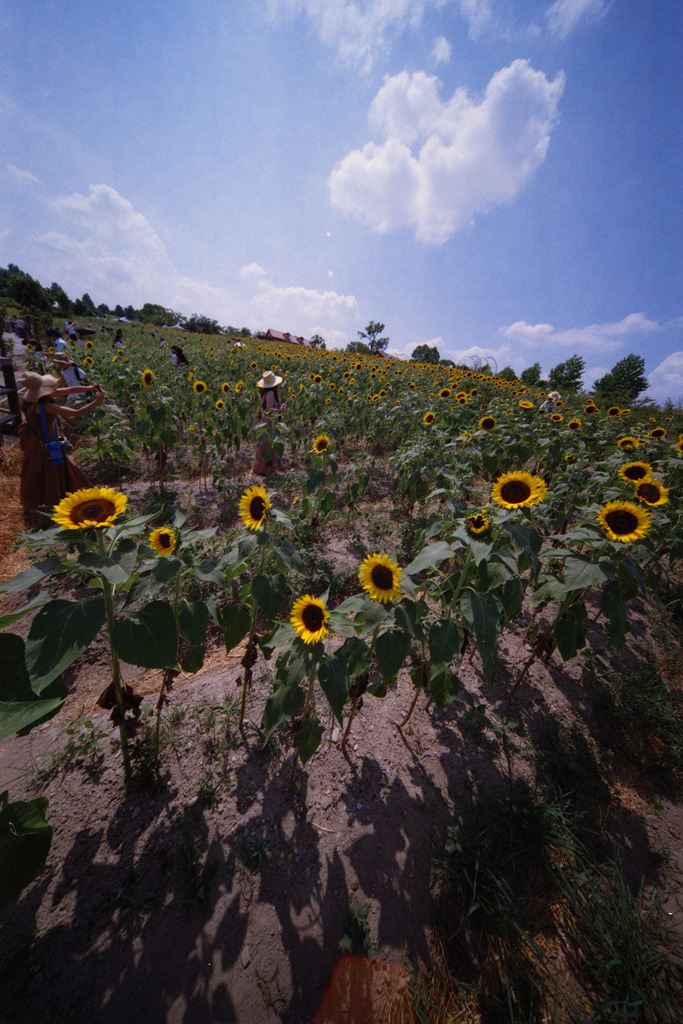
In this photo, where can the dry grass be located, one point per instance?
(11, 514)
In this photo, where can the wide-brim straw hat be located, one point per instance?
(61, 357)
(37, 385)
(269, 380)
(553, 394)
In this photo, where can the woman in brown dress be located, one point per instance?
(266, 461)
(43, 483)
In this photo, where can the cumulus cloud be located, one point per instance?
(441, 50)
(666, 380)
(594, 337)
(478, 14)
(564, 15)
(357, 29)
(102, 244)
(443, 163)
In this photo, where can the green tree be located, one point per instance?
(426, 354)
(319, 341)
(357, 348)
(531, 375)
(626, 380)
(27, 293)
(153, 313)
(566, 377)
(371, 335)
(507, 373)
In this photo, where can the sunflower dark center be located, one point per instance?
(488, 423)
(477, 522)
(257, 508)
(313, 618)
(165, 540)
(93, 511)
(515, 491)
(658, 432)
(621, 521)
(321, 445)
(382, 577)
(635, 472)
(574, 425)
(649, 492)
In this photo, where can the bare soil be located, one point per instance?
(217, 892)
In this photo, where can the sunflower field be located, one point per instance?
(467, 512)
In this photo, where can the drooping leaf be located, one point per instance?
(194, 659)
(569, 631)
(269, 592)
(444, 686)
(334, 680)
(482, 613)
(308, 738)
(29, 577)
(430, 556)
(234, 620)
(356, 655)
(407, 615)
(11, 617)
(391, 649)
(149, 639)
(283, 703)
(25, 840)
(193, 619)
(21, 709)
(444, 641)
(59, 633)
(613, 608)
(288, 554)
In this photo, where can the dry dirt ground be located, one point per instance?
(217, 892)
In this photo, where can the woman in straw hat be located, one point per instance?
(266, 461)
(44, 483)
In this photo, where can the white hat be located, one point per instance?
(269, 380)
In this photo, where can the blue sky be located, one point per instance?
(494, 177)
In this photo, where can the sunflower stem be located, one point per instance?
(108, 592)
(418, 691)
(352, 715)
(246, 679)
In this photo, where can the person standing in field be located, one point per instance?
(266, 461)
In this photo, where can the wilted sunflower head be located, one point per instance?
(321, 444)
(518, 490)
(428, 418)
(635, 471)
(163, 541)
(148, 378)
(89, 506)
(380, 577)
(487, 423)
(253, 507)
(199, 387)
(309, 618)
(623, 521)
(652, 492)
(478, 523)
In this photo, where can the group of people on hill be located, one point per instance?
(47, 398)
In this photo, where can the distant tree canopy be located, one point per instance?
(358, 348)
(319, 341)
(153, 313)
(507, 373)
(566, 377)
(371, 335)
(626, 380)
(201, 324)
(531, 375)
(426, 354)
(23, 290)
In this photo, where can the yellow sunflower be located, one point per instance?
(253, 506)
(88, 361)
(321, 444)
(89, 506)
(445, 393)
(658, 433)
(380, 577)
(163, 541)
(220, 404)
(623, 521)
(635, 471)
(487, 423)
(525, 404)
(225, 387)
(309, 618)
(428, 418)
(652, 492)
(590, 409)
(574, 423)
(518, 490)
(478, 523)
(628, 443)
(679, 446)
(614, 410)
(199, 387)
(557, 417)
(570, 457)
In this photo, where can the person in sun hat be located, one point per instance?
(43, 482)
(266, 461)
(552, 397)
(72, 375)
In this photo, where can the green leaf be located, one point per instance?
(288, 554)
(444, 641)
(513, 598)
(391, 650)
(356, 655)
(103, 566)
(269, 592)
(149, 639)
(29, 577)
(482, 613)
(193, 659)
(166, 569)
(283, 635)
(430, 557)
(407, 615)
(234, 620)
(613, 608)
(308, 738)
(580, 573)
(20, 707)
(444, 686)
(282, 705)
(314, 478)
(25, 840)
(334, 680)
(60, 632)
(569, 632)
(193, 620)
(212, 573)
(11, 617)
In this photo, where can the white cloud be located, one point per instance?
(477, 13)
(666, 380)
(103, 245)
(443, 163)
(356, 29)
(22, 177)
(441, 50)
(594, 337)
(564, 15)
